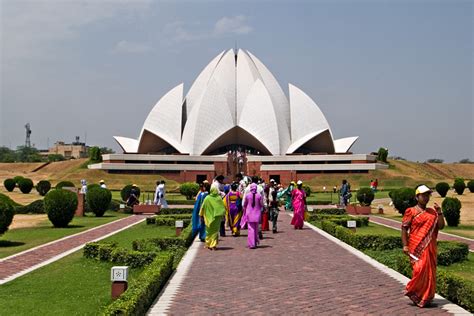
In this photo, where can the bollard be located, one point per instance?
(179, 227)
(119, 276)
(352, 225)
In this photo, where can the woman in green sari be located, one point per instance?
(212, 211)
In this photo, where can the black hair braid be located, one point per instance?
(253, 201)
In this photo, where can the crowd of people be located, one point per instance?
(247, 203)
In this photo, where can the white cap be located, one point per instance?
(271, 180)
(299, 182)
(422, 189)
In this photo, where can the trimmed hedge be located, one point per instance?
(450, 252)
(459, 185)
(180, 202)
(9, 184)
(6, 216)
(17, 179)
(43, 187)
(141, 294)
(98, 200)
(172, 211)
(365, 196)
(189, 189)
(25, 185)
(470, 186)
(442, 188)
(63, 184)
(35, 207)
(164, 220)
(330, 211)
(107, 251)
(340, 219)
(164, 243)
(60, 205)
(452, 211)
(318, 202)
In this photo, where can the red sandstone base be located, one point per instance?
(358, 210)
(118, 287)
(145, 209)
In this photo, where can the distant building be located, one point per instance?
(74, 150)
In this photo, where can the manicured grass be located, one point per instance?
(375, 229)
(73, 285)
(334, 197)
(17, 240)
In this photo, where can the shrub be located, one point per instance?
(93, 185)
(450, 252)
(43, 187)
(6, 216)
(9, 184)
(451, 210)
(125, 193)
(382, 154)
(60, 206)
(189, 189)
(95, 154)
(114, 205)
(25, 185)
(442, 188)
(455, 289)
(330, 211)
(459, 186)
(108, 251)
(98, 200)
(65, 184)
(307, 190)
(365, 196)
(35, 207)
(17, 179)
(7, 199)
(171, 211)
(403, 198)
(470, 186)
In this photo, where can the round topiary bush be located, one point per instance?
(452, 211)
(125, 192)
(307, 190)
(25, 185)
(9, 184)
(35, 207)
(365, 196)
(442, 188)
(17, 179)
(403, 198)
(43, 187)
(65, 184)
(98, 200)
(92, 185)
(459, 186)
(470, 186)
(60, 205)
(189, 189)
(6, 216)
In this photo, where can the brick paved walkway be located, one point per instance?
(441, 236)
(293, 272)
(20, 264)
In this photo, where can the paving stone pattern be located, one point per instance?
(14, 265)
(441, 235)
(292, 272)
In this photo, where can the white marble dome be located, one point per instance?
(235, 100)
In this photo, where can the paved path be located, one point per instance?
(441, 236)
(292, 272)
(19, 264)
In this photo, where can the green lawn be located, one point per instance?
(73, 285)
(17, 240)
(334, 197)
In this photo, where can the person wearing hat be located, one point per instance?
(133, 197)
(298, 196)
(102, 184)
(420, 227)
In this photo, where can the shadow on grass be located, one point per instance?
(74, 226)
(7, 243)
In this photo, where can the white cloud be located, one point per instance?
(232, 25)
(131, 47)
(180, 31)
(33, 29)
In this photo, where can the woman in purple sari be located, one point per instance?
(233, 207)
(253, 204)
(298, 197)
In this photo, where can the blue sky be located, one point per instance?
(396, 73)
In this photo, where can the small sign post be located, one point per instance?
(179, 227)
(352, 225)
(119, 276)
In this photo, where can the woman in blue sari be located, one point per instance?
(198, 226)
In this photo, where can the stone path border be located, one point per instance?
(29, 260)
(394, 224)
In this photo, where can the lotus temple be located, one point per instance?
(236, 118)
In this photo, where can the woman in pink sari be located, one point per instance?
(298, 196)
(253, 204)
(420, 227)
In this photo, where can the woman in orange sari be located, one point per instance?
(420, 227)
